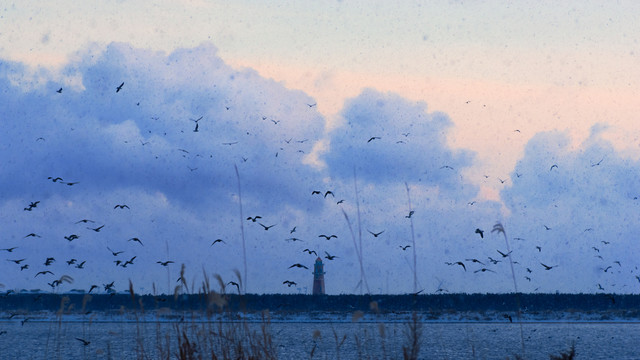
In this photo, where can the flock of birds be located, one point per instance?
(484, 265)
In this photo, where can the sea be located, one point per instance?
(299, 339)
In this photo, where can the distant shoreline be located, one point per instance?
(440, 307)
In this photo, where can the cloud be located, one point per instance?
(589, 200)
(387, 138)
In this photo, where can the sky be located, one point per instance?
(430, 123)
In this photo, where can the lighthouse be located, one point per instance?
(318, 277)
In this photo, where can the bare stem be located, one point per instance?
(244, 247)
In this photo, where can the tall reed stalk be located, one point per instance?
(498, 228)
(244, 247)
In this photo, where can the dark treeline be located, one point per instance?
(81, 303)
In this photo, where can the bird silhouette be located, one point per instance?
(475, 261)
(553, 166)
(96, 229)
(255, 218)
(457, 263)
(316, 192)
(329, 192)
(59, 91)
(121, 206)
(108, 287)
(165, 263)
(85, 221)
(481, 232)
(32, 235)
(546, 267)
(114, 253)
(9, 249)
(49, 261)
(267, 227)
(483, 270)
(606, 269)
(43, 273)
(539, 248)
(56, 179)
(84, 342)
(17, 261)
(546, 227)
(292, 230)
(410, 214)
(136, 240)
(311, 252)
(329, 256)
(217, 241)
(119, 87)
(405, 247)
(328, 237)
(71, 237)
(373, 138)
(289, 283)
(81, 265)
(71, 262)
(234, 284)
(293, 239)
(375, 234)
(298, 266)
(503, 254)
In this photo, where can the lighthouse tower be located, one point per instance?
(318, 277)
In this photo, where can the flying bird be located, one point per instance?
(96, 229)
(16, 261)
(217, 241)
(481, 232)
(59, 91)
(310, 252)
(546, 267)
(483, 270)
(328, 237)
(375, 234)
(44, 273)
(10, 249)
(329, 192)
(121, 206)
(136, 240)
(119, 87)
(298, 266)
(267, 227)
(503, 254)
(329, 256)
(289, 283)
(255, 218)
(84, 342)
(114, 253)
(71, 237)
(405, 247)
(553, 166)
(373, 138)
(234, 284)
(165, 263)
(85, 221)
(32, 235)
(475, 261)
(292, 230)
